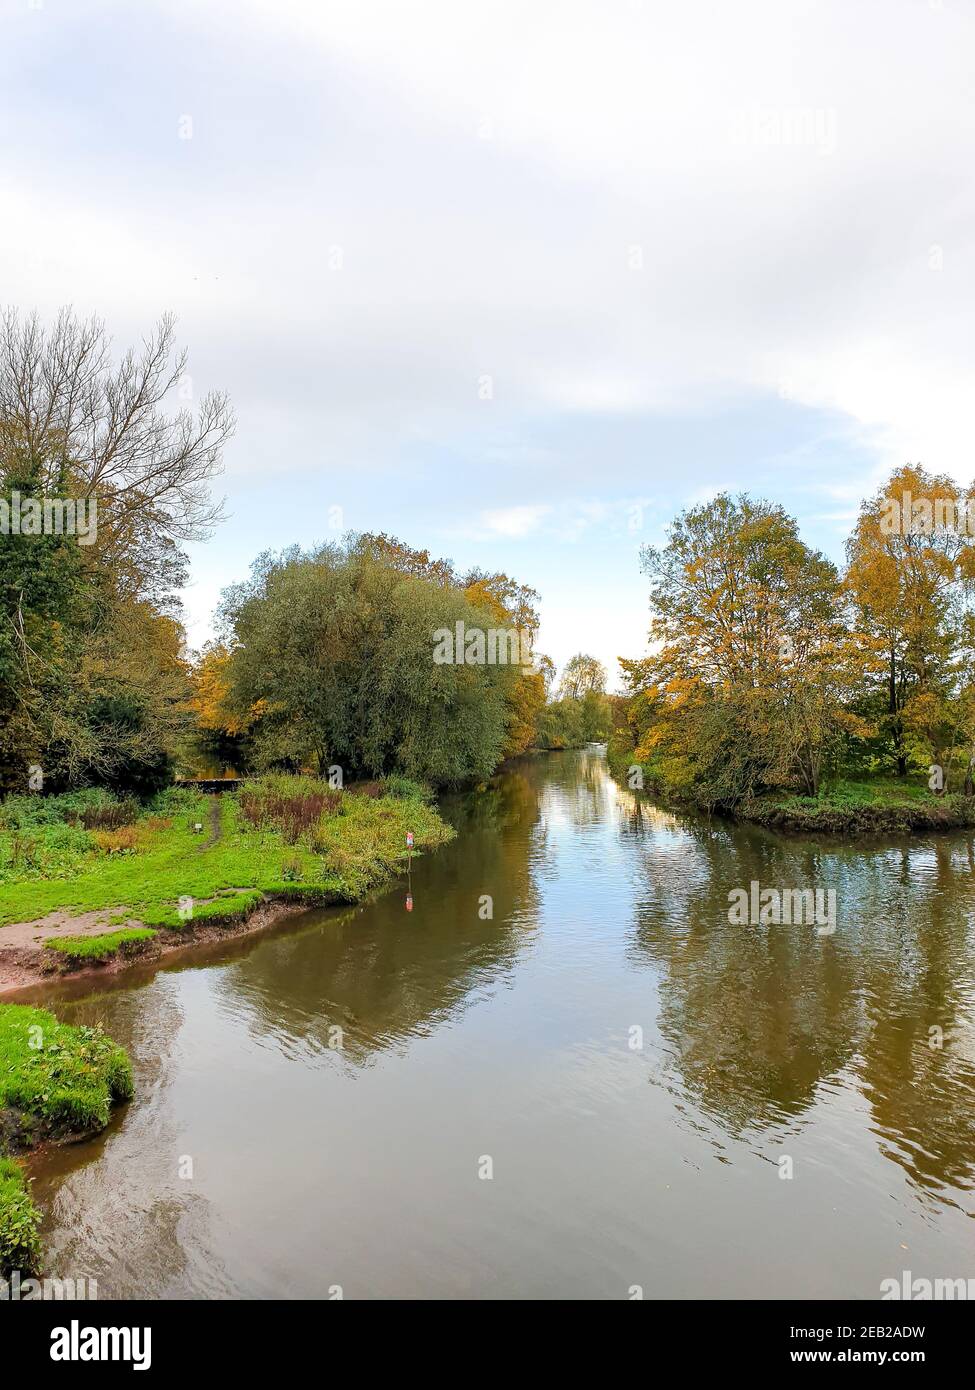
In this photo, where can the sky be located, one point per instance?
(515, 282)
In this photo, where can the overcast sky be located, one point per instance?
(515, 281)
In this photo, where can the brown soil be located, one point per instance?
(24, 962)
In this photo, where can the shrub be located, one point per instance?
(20, 1245)
(292, 870)
(291, 805)
(110, 817)
(23, 812)
(121, 841)
(405, 788)
(68, 1082)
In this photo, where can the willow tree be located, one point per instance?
(335, 647)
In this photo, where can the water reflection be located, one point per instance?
(381, 976)
(760, 1021)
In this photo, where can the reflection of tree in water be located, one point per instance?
(576, 785)
(115, 1209)
(757, 1017)
(383, 975)
(923, 1097)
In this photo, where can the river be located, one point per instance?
(600, 1089)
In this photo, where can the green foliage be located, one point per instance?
(336, 649)
(406, 788)
(54, 1080)
(47, 837)
(573, 722)
(350, 847)
(64, 1077)
(93, 682)
(21, 812)
(864, 808)
(20, 1242)
(772, 677)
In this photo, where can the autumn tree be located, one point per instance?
(78, 423)
(742, 690)
(911, 567)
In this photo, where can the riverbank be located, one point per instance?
(877, 806)
(56, 1083)
(90, 883)
(837, 812)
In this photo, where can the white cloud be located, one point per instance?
(513, 521)
(633, 234)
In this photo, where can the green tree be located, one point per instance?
(337, 647)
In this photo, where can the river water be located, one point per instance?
(664, 1101)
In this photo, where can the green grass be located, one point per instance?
(82, 948)
(354, 847)
(298, 843)
(878, 791)
(54, 1080)
(868, 805)
(60, 1077)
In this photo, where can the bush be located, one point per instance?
(48, 852)
(110, 816)
(70, 1080)
(25, 812)
(121, 841)
(292, 870)
(289, 804)
(20, 1245)
(405, 788)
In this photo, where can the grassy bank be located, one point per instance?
(55, 1081)
(883, 805)
(131, 873)
(877, 805)
(149, 869)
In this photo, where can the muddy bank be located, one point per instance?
(24, 966)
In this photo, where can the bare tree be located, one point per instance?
(78, 423)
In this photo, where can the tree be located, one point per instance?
(582, 674)
(910, 578)
(742, 691)
(76, 425)
(338, 645)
